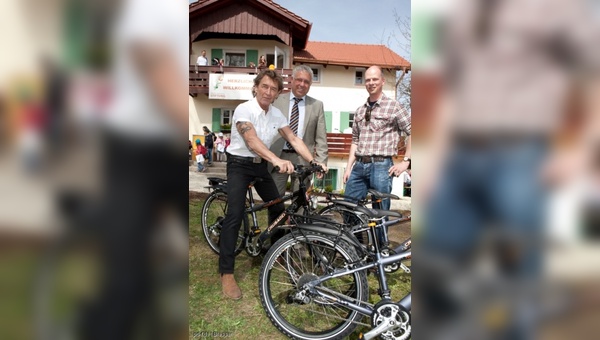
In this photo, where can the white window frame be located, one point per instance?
(223, 110)
(277, 53)
(359, 69)
(234, 52)
(319, 75)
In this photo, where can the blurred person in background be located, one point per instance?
(202, 60)
(143, 171)
(220, 143)
(33, 125)
(510, 69)
(56, 87)
(209, 143)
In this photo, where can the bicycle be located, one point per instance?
(313, 283)
(251, 237)
(342, 209)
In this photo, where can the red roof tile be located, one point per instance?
(343, 54)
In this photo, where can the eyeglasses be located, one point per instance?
(368, 114)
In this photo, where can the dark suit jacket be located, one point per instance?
(315, 132)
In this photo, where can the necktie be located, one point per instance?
(294, 120)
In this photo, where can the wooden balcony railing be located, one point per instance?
(199, 76)
(339, 145)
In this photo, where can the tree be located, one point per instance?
(401, 38)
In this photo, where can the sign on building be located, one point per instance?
(230, 86)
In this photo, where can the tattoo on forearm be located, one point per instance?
(243, 127)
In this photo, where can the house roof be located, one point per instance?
(296, 26)
(343, 54)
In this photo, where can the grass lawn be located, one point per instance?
(211, 315)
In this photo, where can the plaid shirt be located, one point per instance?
(380, 136)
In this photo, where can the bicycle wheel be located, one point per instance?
(297, 259)
(213, 213)
(349, 218)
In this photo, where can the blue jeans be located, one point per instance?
(490, 187)
(201, 166)
(209, 155)
(367, 176)
(494, 186)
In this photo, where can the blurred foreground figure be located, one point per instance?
(511, 69)
(142, 139)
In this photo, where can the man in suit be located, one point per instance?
(308, 124)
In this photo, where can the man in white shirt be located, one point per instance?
(257, 124)
(202, 60)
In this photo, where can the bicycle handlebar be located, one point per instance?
(304, 171)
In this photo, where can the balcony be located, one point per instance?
(199, 76)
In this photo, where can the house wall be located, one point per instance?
(336, 89)
(235, 45)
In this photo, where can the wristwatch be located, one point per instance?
(406, 159)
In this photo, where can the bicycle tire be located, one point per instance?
(349, 218)
(279, 278)
(213, 213)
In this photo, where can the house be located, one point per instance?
(240, 31)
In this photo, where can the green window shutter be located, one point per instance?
(333, 177)
(328, 120)
(215, 53)
(329, 179)
(344, 120)
(251, 56)
(216, 120)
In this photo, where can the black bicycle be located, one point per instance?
(313, 283)
(250, 236)
(343, 210)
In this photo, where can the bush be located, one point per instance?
(329, 188)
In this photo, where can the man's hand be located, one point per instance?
(398, 169)
(284, 166)
(323, 166)
(347, 174)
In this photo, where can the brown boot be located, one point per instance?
(230, 287)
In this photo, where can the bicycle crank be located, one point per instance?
(253, 246)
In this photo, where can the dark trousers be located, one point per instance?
(239, 175)
(135, 193)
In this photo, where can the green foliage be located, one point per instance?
(329, 188)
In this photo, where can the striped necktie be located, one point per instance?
(294, 120)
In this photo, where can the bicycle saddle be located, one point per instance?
(382, 195)
(372, 213)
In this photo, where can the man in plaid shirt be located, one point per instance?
(375, 136)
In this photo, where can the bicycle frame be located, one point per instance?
(405, 301)
(380, 262)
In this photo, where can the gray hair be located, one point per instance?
(302, 68)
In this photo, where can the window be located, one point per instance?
(235, 59)
(328, 181)
(351, 121)
(316, 74)
(359, 77)
(226, 116)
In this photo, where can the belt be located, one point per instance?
(371, 159)
(240, 159)
(289, 151)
